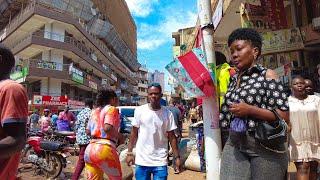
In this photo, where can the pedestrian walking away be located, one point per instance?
(304, 144)
(81, 136)
(153, 125)
(101, 155)
(13, 117)
(254, 92)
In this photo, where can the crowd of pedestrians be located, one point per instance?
(255, 99)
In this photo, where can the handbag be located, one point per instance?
(272, 135)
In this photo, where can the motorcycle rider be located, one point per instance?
(13, 117)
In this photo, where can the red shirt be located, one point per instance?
(13, 108)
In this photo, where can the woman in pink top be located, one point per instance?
(101, 155)
(45, 121)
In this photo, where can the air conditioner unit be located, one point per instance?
(316, 23)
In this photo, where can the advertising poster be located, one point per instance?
(263, 15)
(281, 41)
(270, 61)
(276, 14)
(253, 16)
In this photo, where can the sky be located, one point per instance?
(155, 21)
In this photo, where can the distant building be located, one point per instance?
(156, 77)
(142, 85)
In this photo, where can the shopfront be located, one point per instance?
(54, 103)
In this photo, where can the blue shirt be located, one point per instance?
(81, 123)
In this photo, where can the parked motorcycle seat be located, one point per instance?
(51, 145)
(64, 133)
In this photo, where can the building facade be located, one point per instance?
(143, 85)
(156, 77)
(66, 50)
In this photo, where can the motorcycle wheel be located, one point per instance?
(26, 165)
(27, 150)
(54, 166)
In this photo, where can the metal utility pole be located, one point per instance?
(210, 105)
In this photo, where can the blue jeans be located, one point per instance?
(158, 172)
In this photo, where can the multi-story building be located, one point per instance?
(67, 49)
(143, 85)
(156, 77)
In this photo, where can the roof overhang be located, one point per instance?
(230, 21)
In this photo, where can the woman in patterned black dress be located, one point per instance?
(252, 93)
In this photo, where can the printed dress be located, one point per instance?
(305, 134)
(101, 155)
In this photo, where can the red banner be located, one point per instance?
(315, 8)
(276, 13)
(55, 100)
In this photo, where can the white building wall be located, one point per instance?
(55, 87)
(54, 31)
(44, 89)
(51, 86)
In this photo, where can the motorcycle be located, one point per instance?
(46, 156)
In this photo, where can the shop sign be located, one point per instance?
(77, 78)
(93, 85)
(37, 100)
(281, 41)
(217, 15)
(55, 100)
(18, 74)
(76, 104)
(49, 65)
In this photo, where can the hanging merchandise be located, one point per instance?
(176, 69)
(191, 72)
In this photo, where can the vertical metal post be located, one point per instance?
(210, 104)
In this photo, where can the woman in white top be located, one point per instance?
(305, 135)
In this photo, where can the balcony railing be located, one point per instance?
(63, 68)
(16, 21)
(60, 38)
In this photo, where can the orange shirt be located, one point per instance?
(99, 117)
(13, 108)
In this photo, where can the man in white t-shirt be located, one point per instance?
(152, 127)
